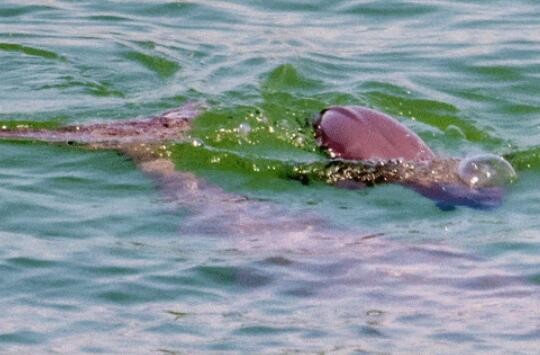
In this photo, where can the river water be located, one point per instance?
(98, 257)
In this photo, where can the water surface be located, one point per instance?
(96, 257)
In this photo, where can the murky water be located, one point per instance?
(98, 257)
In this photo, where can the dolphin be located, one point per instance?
(369, 147)
(366, 147)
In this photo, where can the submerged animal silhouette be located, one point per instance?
(367, 147)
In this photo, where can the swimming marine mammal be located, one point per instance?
(366, 147)
(211, 209)
(371, 147)
(360, 133)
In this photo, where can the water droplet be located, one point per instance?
(374, 313)
(244, 129)
(331, 153)
(262, 118)
(197, 142)
(486, 170)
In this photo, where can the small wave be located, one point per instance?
(287, 77)
(382, 10)
(243, 277)
(22, 10)
(43, 53)
(94, 88)
(163, 67)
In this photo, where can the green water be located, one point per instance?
(98, 257)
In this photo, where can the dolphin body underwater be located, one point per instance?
(366, 148)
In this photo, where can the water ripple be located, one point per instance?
(95, 259)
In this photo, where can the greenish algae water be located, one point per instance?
(97, 257)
